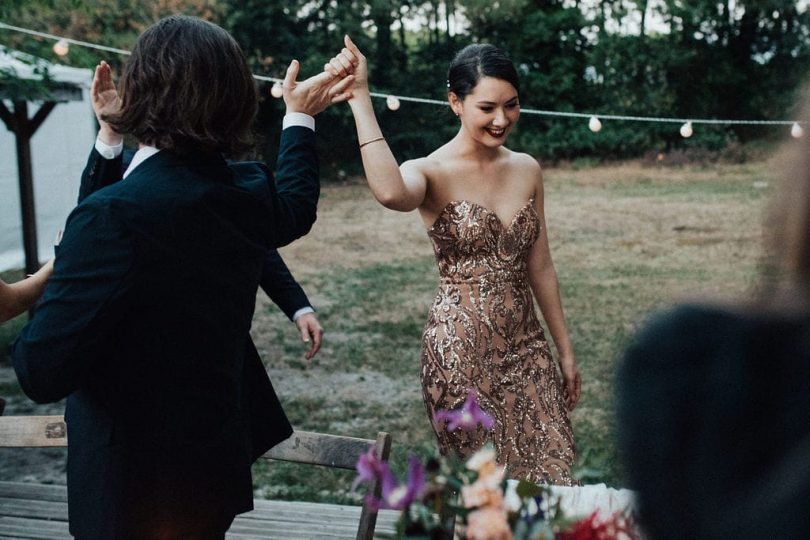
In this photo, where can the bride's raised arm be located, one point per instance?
(398, 188)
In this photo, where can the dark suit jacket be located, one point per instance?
(714, 423)
(144, 326)
(277, 281)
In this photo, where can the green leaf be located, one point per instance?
(526, 489)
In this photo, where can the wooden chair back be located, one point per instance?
(303, 447)
(339, 452)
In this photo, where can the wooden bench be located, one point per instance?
(30, 510)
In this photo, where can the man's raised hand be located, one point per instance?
(105, 101)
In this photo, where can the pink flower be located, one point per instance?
(369, 468)
(398, 496)
(488, 524)
(468, 417)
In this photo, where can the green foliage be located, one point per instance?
(15, 88)
(701, 59)
(114, 23)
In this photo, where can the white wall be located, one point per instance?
(59, 151)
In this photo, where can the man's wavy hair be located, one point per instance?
(187, 87)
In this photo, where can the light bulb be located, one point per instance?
(686, 130)
(61, 47)
(796, 131)
(594, 124)
(392, 102)
(276, 91)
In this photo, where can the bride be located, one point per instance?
(482, 205)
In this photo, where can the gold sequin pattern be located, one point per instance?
(482, 333)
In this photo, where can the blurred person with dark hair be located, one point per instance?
(714, 400)
(145, 323)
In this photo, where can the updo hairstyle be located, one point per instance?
(476, 61)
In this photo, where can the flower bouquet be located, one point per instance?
(447, 498)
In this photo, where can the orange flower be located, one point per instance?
(488, 524)
(489, 472)
(479, 495)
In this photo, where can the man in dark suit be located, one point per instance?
(144, 325)
(107, 164)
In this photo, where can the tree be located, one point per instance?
(729, 59)
(115, 23)
(744, 53)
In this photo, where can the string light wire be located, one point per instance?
(588, 116)
(60, 38)
(539, 112)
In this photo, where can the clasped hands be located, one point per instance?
(342, 76)
(347, 71)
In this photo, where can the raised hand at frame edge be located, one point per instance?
(315, 94)
(106, 101)
(16, 298)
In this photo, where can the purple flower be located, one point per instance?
(369, 468)
(396, 496)
(466, 418)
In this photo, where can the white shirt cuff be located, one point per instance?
(298, 119)
(107, 151)
(302, 311)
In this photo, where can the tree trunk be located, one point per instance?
(403, 48)
(449, 9)
(643, 7)
(602, 16)
(383, 19)
(434, 30)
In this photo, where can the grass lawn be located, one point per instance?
(626, 240)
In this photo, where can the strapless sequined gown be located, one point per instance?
(482, 333)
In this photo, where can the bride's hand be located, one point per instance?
(105, 101)
(350, 61)
(573, 382)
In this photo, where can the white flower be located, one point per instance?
(482, 457)
(511, 500)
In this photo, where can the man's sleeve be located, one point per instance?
(291, 201)
(82, 304)
(280, 285)
(99, 172)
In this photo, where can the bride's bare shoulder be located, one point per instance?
(524, 162)
(429, 165)
(414, 168)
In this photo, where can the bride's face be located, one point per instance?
(489, 112)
